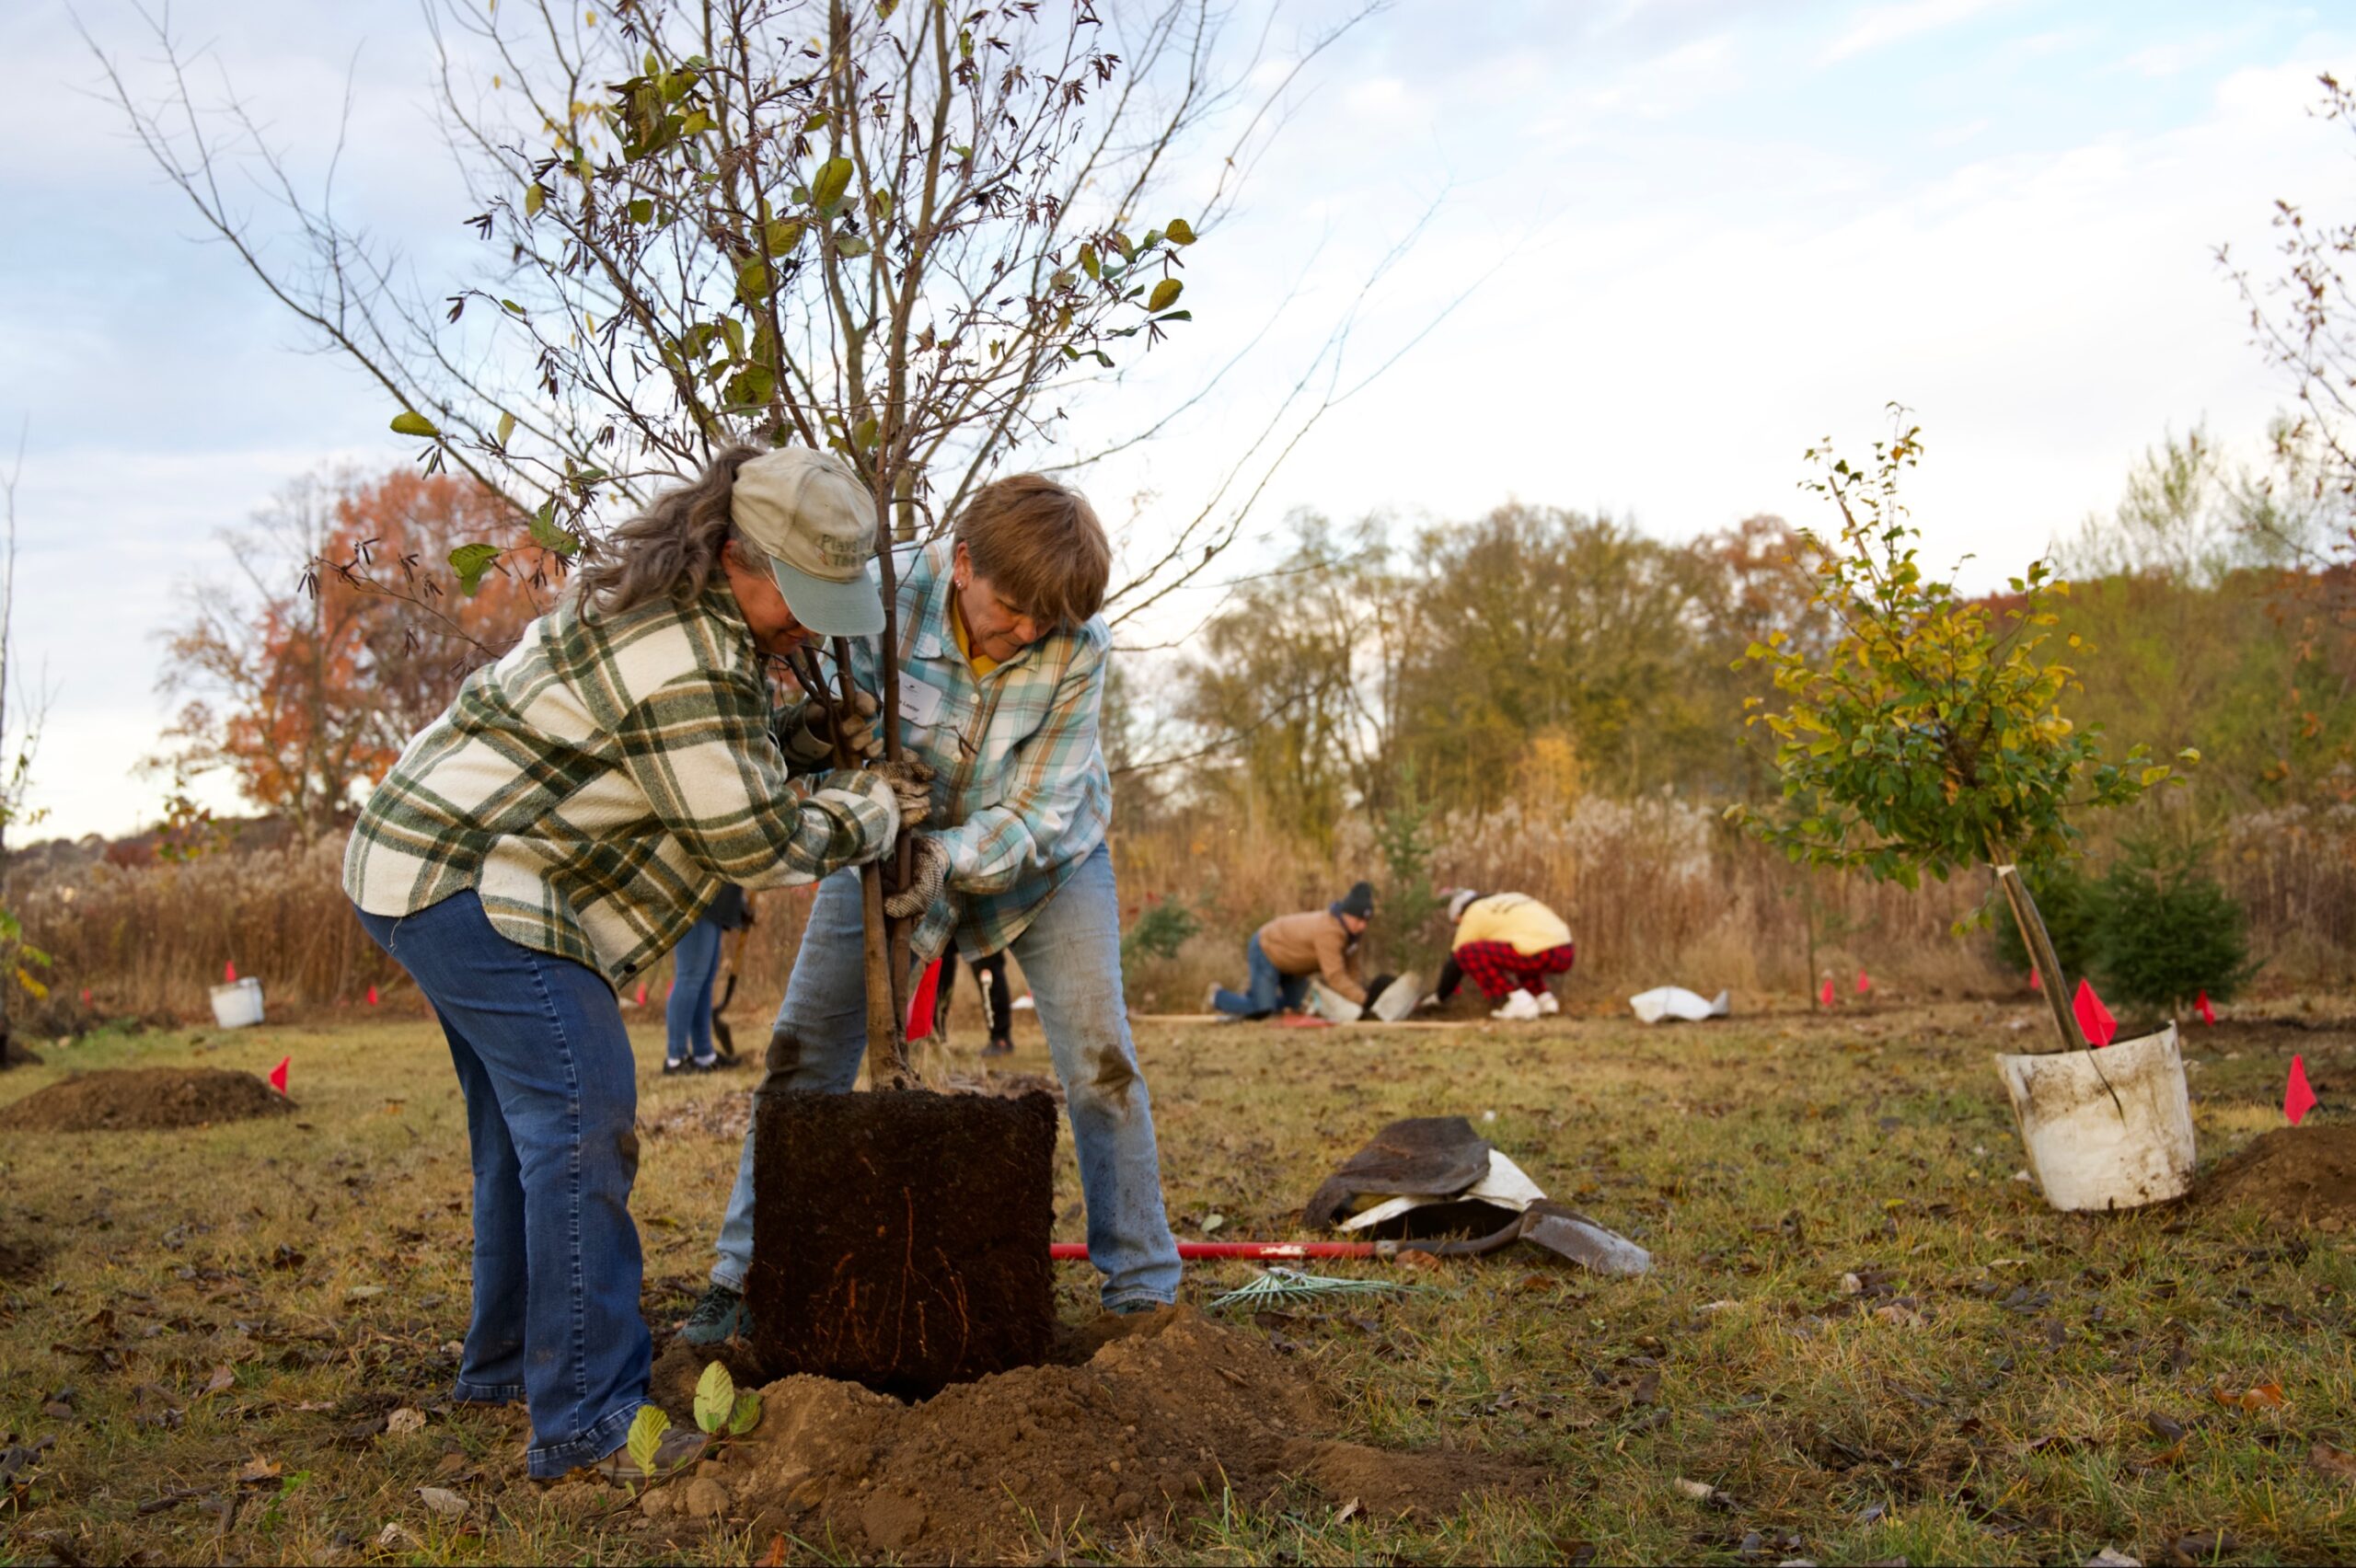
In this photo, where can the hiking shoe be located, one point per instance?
(1547, 1004)
(670, 1067)
(680, 1447)
(704, 1064)
(1521, 1005)
(1211, 997)
(999, 1048)
(718, 1317)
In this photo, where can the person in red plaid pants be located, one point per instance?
(1512, 946)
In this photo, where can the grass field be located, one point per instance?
(1865, 1335)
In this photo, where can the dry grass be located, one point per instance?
(322, 1259)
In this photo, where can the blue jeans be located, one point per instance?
(551, 1095)
(1072, 955)
(686, 1016)
(1267, 990)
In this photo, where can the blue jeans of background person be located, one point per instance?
(1267, 990)
(686, 1016)
(551, 1127)
(1072, 955)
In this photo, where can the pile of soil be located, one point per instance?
(144, 1098)
(1158, 1415)
(2306, 1174)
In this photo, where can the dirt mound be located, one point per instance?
(2302, 1172)
(1169, 1410)
(141, 1098)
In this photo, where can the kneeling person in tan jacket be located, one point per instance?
(1291, 949)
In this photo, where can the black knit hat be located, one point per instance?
(1360, 902)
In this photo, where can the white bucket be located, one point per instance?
(2107, 1129)
(238, 1003)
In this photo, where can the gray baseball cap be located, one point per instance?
(807, 511)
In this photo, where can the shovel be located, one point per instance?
(1565, 1232)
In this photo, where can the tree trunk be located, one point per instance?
(2040, 949)
(886, 1054)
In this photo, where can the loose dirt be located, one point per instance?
(1165, 1413)
(17, 1055)
(141, 1099)
(2306, 1173)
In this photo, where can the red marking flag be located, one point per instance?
(228, 973)
(2207, 1014)
(278, 1075)
(2094, 1018)
(2036, 981)
(920, 1005)
(2297, 1098)
(1825, 995)
(641, 993)
(86, 996)
(1863, 985)
(372, 996)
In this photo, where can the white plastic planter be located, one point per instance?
(238, 1003)
(2107, 1129)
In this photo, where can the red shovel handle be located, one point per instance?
(1271, 1252)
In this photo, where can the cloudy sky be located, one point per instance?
(1704, 233)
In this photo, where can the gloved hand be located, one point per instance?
(928, 878)
(858, 726)
(911, 782)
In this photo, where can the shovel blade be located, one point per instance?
(1570, 1234)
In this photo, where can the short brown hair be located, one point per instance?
(1041, 546)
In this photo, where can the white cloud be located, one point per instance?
(1876, 26)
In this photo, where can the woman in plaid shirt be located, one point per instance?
(553, 834)
(1002, 666)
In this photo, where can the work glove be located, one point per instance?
(911, 782)
(817, 739)
(927, 878)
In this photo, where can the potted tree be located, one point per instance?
(1927, 735)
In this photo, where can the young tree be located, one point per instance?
(1929, 736)
(306, 673)
(15, 781)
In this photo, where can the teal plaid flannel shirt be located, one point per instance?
(598, 785)
(1020, 795)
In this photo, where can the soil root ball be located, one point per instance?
(141, 1099)
(2306, 1174)
(900, 1239)
(1169, 1412)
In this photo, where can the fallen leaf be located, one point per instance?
(1902, 1316)
(2209, 1546)
(1411, 1259)
(2164, 1428)
(443, 1501)
(1851, 1285)
(2333, 1461)
(452, 1464)
(390, 1538)
(1700, 1490)
(404, 1420)
(1348, 1511)
(222, 1381)
(2110, 1557)
(2263, 1397)
(364, 1292)
(257, 1470)
(775, 1556)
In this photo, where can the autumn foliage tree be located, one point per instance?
(304, 674)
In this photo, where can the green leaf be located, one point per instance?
(1165, 295)
(471, 562)
(646, 1431)
(849, 246)
(746, 1415)
(1087, 262)
(783, 235)
(715, 1397)
(865, 434)
(641, 210)
(506, 429)
(408, 423)
(834, 178)
(1180, 232)
(534, 195)
(548, 536)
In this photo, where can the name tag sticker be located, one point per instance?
(919, 703)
